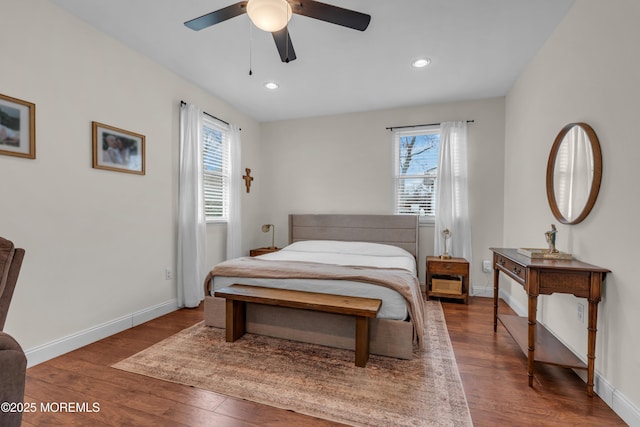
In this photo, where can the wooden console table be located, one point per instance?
(546, 276)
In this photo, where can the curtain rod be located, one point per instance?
(417, 126)
(210, 115)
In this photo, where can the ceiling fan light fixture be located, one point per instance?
(420, 62)
(269, 15)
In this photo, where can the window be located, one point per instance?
(215, 154)
(416, 166)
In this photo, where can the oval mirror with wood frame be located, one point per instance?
(574, 173)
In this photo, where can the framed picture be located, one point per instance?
(17, 127)
(117, 149)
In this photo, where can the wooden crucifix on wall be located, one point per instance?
(247, 179)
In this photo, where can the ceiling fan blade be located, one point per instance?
(218, 16)
(329, 13)
(284, 45)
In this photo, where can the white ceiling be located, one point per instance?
(477, 47)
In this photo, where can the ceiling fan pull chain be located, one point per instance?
(250, 48)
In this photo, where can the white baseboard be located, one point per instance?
(487, 291)
(629, 413)
(58, 347)
(482, 291)
(620, 404)
(616, 400)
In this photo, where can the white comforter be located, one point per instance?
(341, 253)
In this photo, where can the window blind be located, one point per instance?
(215, 154)
(416, 153)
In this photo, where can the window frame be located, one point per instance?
(224, 173)
(397, 135)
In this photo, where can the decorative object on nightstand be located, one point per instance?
(448, 278)
(445, 235)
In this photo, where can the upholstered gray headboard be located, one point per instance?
(396, 230)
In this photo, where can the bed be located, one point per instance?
(358, 255)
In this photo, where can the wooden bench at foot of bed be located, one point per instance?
(361, 308)
(391, 338)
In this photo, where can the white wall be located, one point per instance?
(97, 242)
(343, 164)
(587, 71)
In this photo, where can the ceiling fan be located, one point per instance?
(274, 15)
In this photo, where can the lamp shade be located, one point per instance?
(269, 15)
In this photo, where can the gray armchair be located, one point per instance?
(13, 362)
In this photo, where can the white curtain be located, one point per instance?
(191, 268)
(234, 230)
(452, 205)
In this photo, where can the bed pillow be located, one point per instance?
(356, 248)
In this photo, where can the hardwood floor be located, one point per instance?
(492, 367)
(494, 375)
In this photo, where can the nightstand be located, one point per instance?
(262, 251)
(448, 278)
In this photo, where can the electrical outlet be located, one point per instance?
(168, 274)
(581, 312)
(486, 266)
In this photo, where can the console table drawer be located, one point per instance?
(513, 270)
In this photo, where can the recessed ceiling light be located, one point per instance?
(420, 62)
(271, 85)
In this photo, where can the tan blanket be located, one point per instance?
(401, 281)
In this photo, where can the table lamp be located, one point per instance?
(266, 228)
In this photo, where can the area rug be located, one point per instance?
(315, 380)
